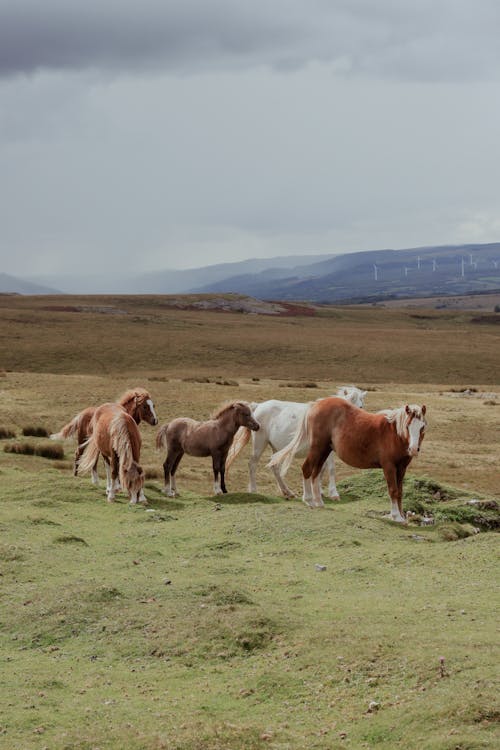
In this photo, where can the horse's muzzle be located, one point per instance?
(255, 426)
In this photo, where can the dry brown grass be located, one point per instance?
(338, 344)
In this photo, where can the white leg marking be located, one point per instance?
(307, 497)
(332, 487)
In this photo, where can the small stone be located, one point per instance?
(373, 706)
(320, 568)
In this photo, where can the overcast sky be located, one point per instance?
(153, 134)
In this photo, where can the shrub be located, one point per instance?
(45, 450)
(496, 309)
(6, 434)
(26, 449)
(31, 431)
(50, 450)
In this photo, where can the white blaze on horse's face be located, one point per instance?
(416, 429)
(152, 410)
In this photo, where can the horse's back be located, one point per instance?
(279, 420)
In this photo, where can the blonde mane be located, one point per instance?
(400, 417)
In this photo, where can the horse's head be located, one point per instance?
(352, 394)
(147, 412)
(134, 481)
(415, 425)
(139, 404)
(245, 417)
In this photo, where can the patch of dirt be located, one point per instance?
(247, 305)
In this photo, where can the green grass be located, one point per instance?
(205, 625)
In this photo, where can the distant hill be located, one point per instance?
(382, 274)
(13, 285)
(176, 282)
(362, 276)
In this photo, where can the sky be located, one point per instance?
(138, 135)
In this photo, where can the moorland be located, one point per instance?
(247, 621)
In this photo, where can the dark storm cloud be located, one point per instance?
(438, 40)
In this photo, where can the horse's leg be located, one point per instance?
(314, 468)
(391, 477)
(94, 474)
(110, 490)
(329, 465)
(401, 471)
(217, 466)
(114, 480)
(170, 467)
(307, 469)
(259, 442)
(285, 489)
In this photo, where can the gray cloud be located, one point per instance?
(144, 135)
(427, 40)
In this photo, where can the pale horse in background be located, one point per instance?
(278, 422)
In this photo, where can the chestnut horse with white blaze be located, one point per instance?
(137, 402)
(115, 435)
(210, 438)
(387, 440)
(278, 421)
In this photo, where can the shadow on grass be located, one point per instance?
(245, 498)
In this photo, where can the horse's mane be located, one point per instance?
(140, 394)
(122, 439)
(399, 416)
(226, 406)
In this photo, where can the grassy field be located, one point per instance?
(248, 621)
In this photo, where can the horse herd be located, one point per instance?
(387, 440)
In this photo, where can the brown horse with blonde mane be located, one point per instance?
(137, 402)
(115, 435)
(211, 438)
(387, 440)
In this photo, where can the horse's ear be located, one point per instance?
(424, 409)
(407, 409)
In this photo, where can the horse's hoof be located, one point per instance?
(307, 503)
(334, 497)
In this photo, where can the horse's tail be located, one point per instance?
(68, 430)
(126, 443)
(239, 441)
(89, 456)
(161, 437)
(284, 457)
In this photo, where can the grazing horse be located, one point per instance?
(137, 402)
(278, 421)
(116, 436)
(387, 440)
(211, 438)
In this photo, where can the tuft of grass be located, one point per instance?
(304, 384)
(32, 431)
(25, 449)
(70, 539)
(452, 532)
(52, 451)
(6, 433)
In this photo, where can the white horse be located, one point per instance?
(278, 421)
